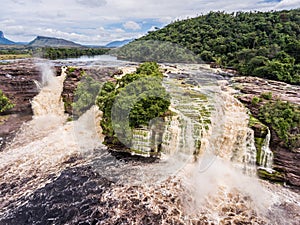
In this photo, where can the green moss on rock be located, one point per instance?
(260, 130)
(258, 144)
(275, 176)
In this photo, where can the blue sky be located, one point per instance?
(101, 21)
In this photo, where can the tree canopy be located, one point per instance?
(132, 101)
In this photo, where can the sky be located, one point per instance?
(97, 22)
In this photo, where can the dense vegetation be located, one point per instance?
(5, 103)
(264, 44)
(15, 51)
(158, 51)
(85, 95)
(62, 53)
(284, 119)
(131, 102)
(51, 52)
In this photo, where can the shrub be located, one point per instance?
(5, 103)
(255, 100)
(266, 95)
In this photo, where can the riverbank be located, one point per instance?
(14, 56)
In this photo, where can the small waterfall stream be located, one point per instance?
(266, 157)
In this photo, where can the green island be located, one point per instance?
(131, 102)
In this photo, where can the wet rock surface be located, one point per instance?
(251, 86)
(17, 83)
(285, 160)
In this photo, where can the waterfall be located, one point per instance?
(45, 145)
(184, 130)
(266, 155)
(229, 137)
(49, 101)
(47, 106)
(171, 135)
(249, 158)
(208, 123)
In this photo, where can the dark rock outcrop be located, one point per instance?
(17, 83)
(70, 85)
(251, 86)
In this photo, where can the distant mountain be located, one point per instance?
(4, 41)
(116, 44)
(21, 43)
(41, 41)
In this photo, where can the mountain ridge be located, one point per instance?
(43, 41)
(116, 44)
(5, 41)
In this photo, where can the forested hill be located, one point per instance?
(264, 44)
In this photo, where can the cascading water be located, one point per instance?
(49, 102)
(47, 106)
(226, 135)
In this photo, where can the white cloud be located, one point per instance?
(288, 3)
(131, 25)
(92, 3)
(119, 30)
(166, 19)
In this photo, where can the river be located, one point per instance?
(59, 172)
